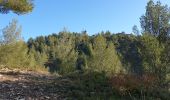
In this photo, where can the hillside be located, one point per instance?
(69, 65)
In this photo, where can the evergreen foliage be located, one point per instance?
(151, 51)
(155, 21)
(13, 51)
(104, 56)
(17, 6)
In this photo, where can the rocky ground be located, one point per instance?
(28, 85)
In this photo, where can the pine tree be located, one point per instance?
(151, 51)
(156, 20)
(104, 56)
(65, 53)
(13, 51)
(17, 6)
(11, 33)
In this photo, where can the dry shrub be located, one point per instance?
(128, 83)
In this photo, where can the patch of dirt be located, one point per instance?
(28, 85)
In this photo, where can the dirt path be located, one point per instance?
(31, 86)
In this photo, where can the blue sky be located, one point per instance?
(51, 16)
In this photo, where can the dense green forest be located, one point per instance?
(136, 65)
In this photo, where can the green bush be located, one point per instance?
(91, 85)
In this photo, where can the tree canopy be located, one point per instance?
(155, 21)
(16, 6)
